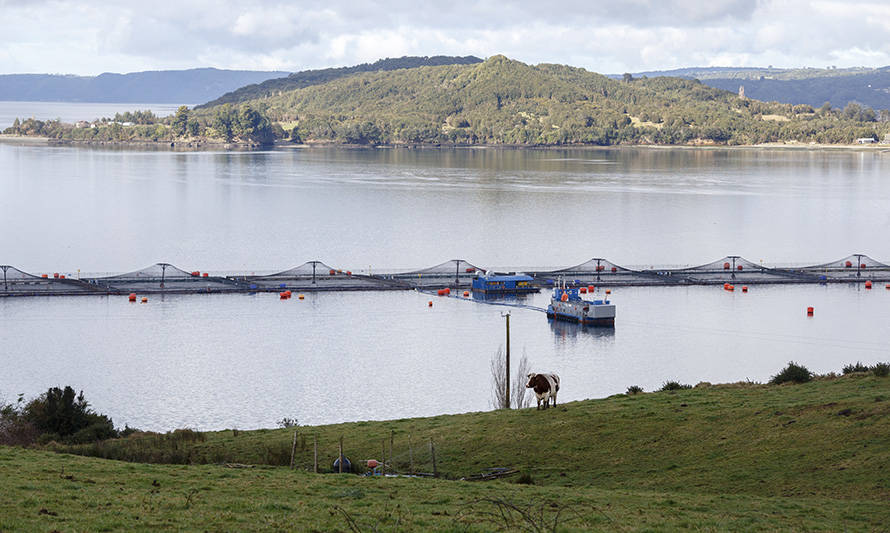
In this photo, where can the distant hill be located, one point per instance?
(502, 101)
(865, 86)
(161, 86)
(496, 102)
(298, 80)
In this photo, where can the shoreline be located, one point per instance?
(206, 145)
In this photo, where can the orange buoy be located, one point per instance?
(301, 297)
(440, 292)
(144, 300)
(348, 272)
(283, 295)
(725, 266)
(62, 276)
(206, 274)
(848, 264)
(868, 284)
(887, 286)
(862, 266)
(331, 272)
(430, 303)
(44, 276)
(810, 311)
(132, 297)
(339, 271)
(739, 267)
(583, 290)
(56, 275)
(608, 291)
(590, 288)
(564, 297)
(744, 288)
(466, 294)
(728, 287)
(600, 268)
(614, 269)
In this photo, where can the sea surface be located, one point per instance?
(247, 361)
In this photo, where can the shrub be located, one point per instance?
(673, 385)
(634, 389)
(792, 373)
(858, 367)
(881, 370)
(288, 422)
(525, 479)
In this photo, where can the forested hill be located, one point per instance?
(157, 87)
(496, 102)
(502, 101)
(306, 78)
(811, 86)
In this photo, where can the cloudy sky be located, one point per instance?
(92, 36)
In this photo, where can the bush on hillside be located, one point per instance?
(793, 373)
(674, 385)
(56, 415)
(634, 389)
(881, 370)
(858, 367)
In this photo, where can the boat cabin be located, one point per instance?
(510, 284)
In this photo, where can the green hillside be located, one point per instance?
(501, 101)
(306, 78)
(738, 457)
(495, 102)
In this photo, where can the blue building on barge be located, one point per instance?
(504, 284)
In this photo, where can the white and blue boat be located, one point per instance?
(503, 284)
(566, 304)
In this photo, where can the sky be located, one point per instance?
(88, 37)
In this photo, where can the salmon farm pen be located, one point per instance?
(164, 278)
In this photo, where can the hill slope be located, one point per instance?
(865, 86)
(158, 87)
(501, 101)
(307, 78)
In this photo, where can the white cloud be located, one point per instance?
(93, 36)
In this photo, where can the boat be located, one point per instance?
(503, 284)
(566, 304)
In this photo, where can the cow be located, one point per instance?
(545, 386)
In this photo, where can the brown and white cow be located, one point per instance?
(545, 386)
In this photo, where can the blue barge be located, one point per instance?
(504, 284)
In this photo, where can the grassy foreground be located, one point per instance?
(732, 457)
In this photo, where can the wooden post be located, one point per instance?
(340, 460)
(410, 455)
(383, 467)
(433, 453)
(293, 451)
(392, 433)
(315, 453)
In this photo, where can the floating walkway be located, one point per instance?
(164, 278)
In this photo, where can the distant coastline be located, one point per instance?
(210, 144)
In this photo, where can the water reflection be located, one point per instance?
(563, 331)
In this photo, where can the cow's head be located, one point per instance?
(531, 381)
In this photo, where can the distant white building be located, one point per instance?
(865, 140)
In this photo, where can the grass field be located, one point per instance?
(747, 457)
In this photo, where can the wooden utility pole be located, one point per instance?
(315, 454)
(507, 316)
(340, 459)
(383, 465)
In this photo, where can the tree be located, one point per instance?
(628, 77)
(180, 121)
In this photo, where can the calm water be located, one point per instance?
(247, 361)
(71, 112)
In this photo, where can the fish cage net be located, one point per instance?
(15, 282)
(315, 275)
(453, 273)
